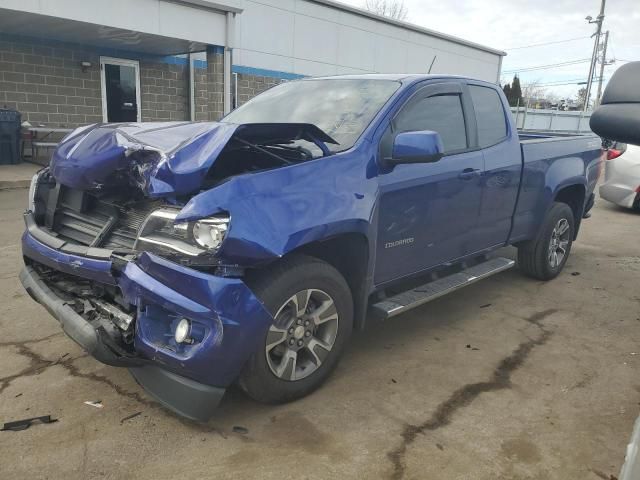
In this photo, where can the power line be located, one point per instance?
(547, 66)
(546, 43)
(566, 81)
(559, 83)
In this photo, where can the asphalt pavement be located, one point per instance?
(510, 378)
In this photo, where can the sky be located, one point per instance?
(509, 24)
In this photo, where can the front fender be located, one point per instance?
(277, 211)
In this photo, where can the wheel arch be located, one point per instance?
(349, 254)
(573, 195)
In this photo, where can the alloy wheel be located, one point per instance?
(302, 335)
(559, 243)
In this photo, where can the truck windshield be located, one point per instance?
(342, 108)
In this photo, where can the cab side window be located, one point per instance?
(492, 125)
(440, 113)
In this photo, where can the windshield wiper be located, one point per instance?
(264, 150)
(298, 149)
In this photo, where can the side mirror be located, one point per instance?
(618, 116)
(417, 147)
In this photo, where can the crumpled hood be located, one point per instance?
(160, 158)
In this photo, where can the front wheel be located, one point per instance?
(313, 317)
(545, 256)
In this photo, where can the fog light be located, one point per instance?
(182, 331)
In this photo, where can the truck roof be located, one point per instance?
(398, 77)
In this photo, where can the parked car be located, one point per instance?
(622, 176)
(202, 254)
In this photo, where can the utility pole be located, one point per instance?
(603, 62)
(594, 56)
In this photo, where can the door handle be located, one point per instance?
(470, 173)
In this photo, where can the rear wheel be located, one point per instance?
(313, 317)
(544, 257)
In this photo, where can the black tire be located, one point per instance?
(275, 286)
(534, 258)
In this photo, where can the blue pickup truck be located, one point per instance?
(246, 251)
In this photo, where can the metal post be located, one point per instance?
(594, 55)
(578, 128)
(226, 77)
(524, 118)
(517, 112)
(603, 62)
(550, 121)
(192, 89)
(235, 91)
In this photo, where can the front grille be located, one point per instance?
(92, 221)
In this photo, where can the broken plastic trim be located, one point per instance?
(19, 425)
(121, 319)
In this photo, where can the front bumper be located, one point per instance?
(189, 379)
(91, 339)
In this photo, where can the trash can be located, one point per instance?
(9, 136)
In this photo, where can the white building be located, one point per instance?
(324, 37)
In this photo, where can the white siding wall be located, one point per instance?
(303, 37)
(158, 17)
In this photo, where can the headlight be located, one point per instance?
(210, 232)
(160, 233)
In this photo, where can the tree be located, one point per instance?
(516, 92)
(581, 97)
(507, 92)
(534, 91)
(395, 9)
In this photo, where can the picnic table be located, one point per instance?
(38, 137)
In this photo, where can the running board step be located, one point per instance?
(397, 304)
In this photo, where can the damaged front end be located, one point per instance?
(115, 252)
(119, 273)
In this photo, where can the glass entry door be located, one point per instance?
(120, 90)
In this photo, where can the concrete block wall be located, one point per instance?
(215, 83)
(45, 82)
(201, 93)
(165, 91)
(47, 85)
(251, 85)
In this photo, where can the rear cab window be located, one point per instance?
(490, 115)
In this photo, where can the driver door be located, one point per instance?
(428, 212)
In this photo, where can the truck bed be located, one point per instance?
(550, 160)
(529, 135)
